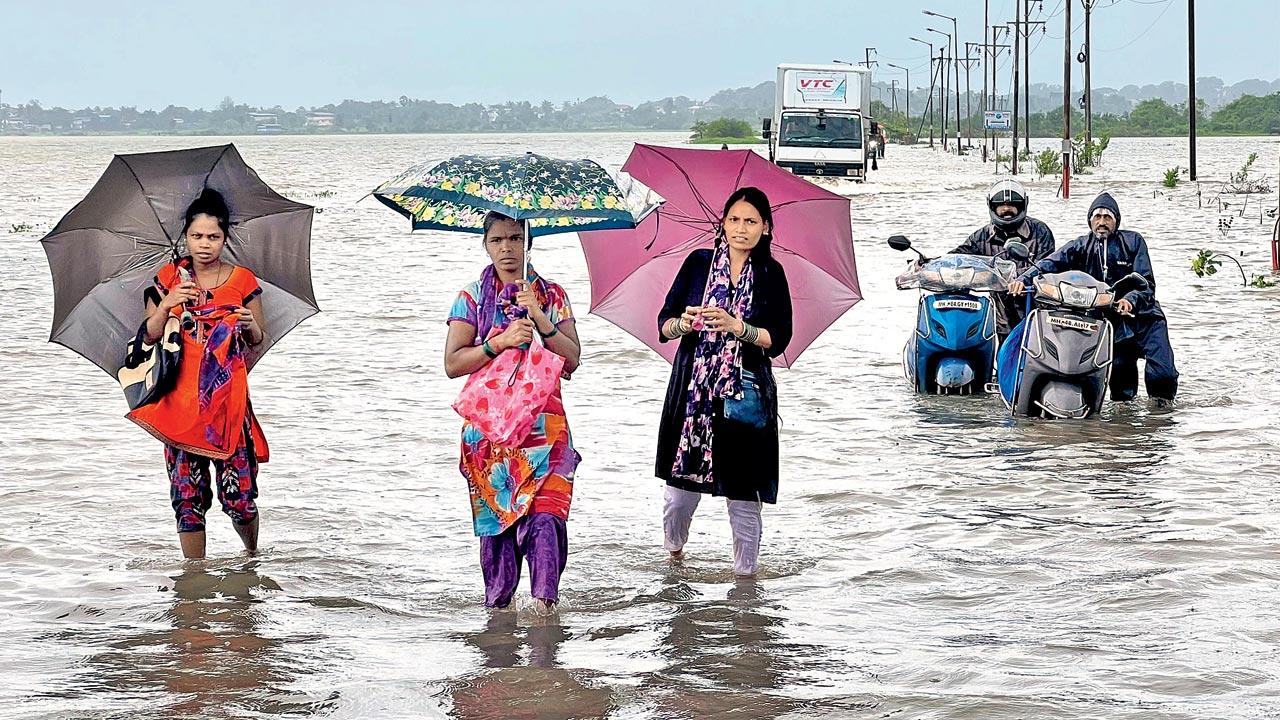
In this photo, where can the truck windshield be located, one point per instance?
(839, 131)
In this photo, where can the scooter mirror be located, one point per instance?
(899, 242)
(1129, 283)
(1017, 250)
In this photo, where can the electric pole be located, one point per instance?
(1066, 107)
(1088, 86)
(1191, 79)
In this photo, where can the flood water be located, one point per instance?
(928, 557)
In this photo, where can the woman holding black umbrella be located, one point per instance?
(205, 419)
(730, 308)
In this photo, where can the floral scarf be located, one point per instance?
(717, 371)
(493, 294)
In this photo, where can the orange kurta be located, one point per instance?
(217, 429)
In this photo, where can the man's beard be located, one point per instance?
(1101, 235)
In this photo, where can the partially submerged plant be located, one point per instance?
(1048, 162)
(21, 228)
(1171, 177)
(1262, 281)
(1206, 262)
(1241, 183)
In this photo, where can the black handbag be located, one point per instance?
(150, 371)
(749, 410)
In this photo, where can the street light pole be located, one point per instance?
(1066, 107)
(1191, 80)
(955, 56)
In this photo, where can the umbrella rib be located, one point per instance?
(143, 190)
(697, 194)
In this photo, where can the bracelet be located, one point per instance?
(750, 333)
(554, 331)
(488, 350)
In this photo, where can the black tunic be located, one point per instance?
(744, 460)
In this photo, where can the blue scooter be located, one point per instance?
(952, 350)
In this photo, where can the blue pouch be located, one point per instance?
(748, 410)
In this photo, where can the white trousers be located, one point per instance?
(744, 519)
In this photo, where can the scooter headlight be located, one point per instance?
(1074, 296)
(957, 277)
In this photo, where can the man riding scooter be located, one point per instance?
(1007, 205)
(1141, 331)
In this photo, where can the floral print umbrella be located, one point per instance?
(551, 195)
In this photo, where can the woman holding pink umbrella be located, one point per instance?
(730, 309)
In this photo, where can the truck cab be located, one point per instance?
(820, 124)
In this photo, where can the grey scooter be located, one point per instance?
(1056, 364)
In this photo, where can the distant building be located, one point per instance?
(320, 119)
(270, 129)
(263, 118)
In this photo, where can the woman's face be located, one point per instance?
(743, 226)
(505, 244)
(205, 239)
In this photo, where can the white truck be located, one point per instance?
(821, 120)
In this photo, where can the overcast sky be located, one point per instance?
(76, 53)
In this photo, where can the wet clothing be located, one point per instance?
(1151, 341)
(744, 520)
(191, 486)
(540, 538)
(206, 411)
(745, 459)
(1146, 335)
(989, 241)
(507, 483)
(206, 420)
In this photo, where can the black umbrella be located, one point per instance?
(104, 252)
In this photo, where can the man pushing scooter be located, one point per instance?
(1141, 331)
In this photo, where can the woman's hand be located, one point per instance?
(181, 293)
(528, 299)
(519, 332)
(717, 319)
(691, 319)
(248, 324)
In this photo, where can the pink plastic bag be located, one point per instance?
(504, 398)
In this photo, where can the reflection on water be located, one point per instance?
(210, 657)
(522, 678)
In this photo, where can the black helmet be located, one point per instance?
(1007, 192)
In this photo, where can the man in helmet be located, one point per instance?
(1007, 205)
(1108, 253)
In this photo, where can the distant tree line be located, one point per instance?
(1246, 115)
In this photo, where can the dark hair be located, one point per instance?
(493, 216)
(209, 203)
(756, 198)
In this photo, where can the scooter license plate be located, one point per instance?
(1073, 324)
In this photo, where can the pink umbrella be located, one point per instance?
(631, 270)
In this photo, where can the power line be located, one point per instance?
(1139, 36)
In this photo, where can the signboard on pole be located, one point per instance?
(997, 119)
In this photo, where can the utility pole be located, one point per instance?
(1088, 86)
(1191, 79)
(893, 95)
(908, 111)
(1017, 49)
(968, 61)
(932, 77)
(867, 54)
(993, 54)
(986, 30)
(1027, 22)
(955, 59)
(946, 69)
(1066, 107)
